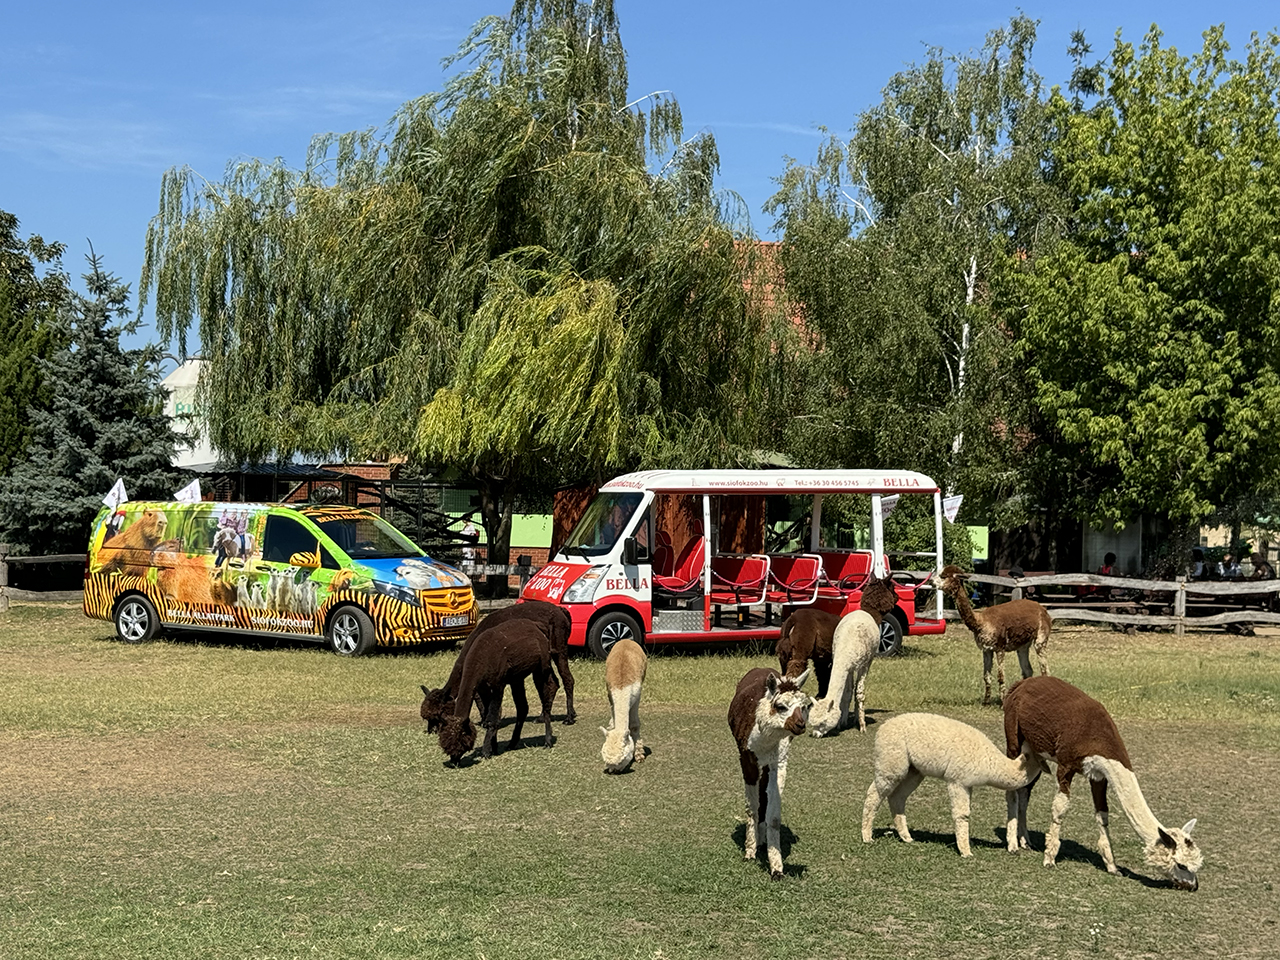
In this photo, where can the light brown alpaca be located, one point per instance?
(1017, 625)
(1056, 721)
(624, 672)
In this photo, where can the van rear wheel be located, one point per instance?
(136, 619)
(890, 636)
(351, 632)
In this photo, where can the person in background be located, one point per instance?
(1262, 569)
(471, 535)
(1197, 564)
(1229, 567)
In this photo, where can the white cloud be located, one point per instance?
(93, 142)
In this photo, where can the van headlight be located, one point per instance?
(404, 594)
(583, 590)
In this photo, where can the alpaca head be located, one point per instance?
(784, 706)
(436, 705)
(457, 736)
(878, 597)
(948, 579)
(619, 749)
(1174, 852)
(824, 716)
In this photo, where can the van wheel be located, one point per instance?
(890, 636)
(609, 629)
(136, 619)
(351, 632)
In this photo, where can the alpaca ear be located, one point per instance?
(799, 681)
(1189, 826)
(605, 731)
(771, 685)
(425, 691)
(1166, 840)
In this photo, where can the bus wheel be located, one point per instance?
(351, 632)
(890, 636)
(136, 619)
(609, 629)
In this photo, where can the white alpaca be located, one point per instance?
(853, 647)
(1056, 721)
(765, 713)
(912, 746)
(624, 672)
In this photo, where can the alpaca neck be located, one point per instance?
(1014, 774)
(967, 613)
(620, 702)
(1132, 802)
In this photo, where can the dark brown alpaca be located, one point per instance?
(553, 621)
(1017, 625)
(806, 635)
(1061, 723)
(499, 657)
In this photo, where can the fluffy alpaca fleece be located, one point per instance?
(1059, 722)
(499, 657)
(624, 672)
(806, 634)
(555, 623)
(765, 713)
(912, 746)
(854, 647)
(1017, 625)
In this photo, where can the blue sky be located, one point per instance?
(98, 100)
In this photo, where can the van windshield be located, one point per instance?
(604, 521)
(366, 537)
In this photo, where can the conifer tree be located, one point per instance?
(28, 300)
(105, 419)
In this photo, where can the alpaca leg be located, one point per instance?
(492, 713)
(846, 694)
(1052, 841)
(1000, 672)
(566, 679)
(1100, 813)
(960, 814)
(633, 725)
(783, 749)
(861, 697)
(1016, 828)
(898, 803)
(822, 670)
(773, 823)
(1024, 660)
(547, 688)
(521, 700)
(752, 791)
(988, 657)
(1042, 644)
(869, 808)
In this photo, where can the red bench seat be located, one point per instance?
(739, 580)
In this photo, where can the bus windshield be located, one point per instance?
(363, 536)
(608, 515)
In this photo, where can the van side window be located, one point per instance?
(326, 559)
(284, 537)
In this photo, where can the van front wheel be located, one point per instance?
(136, 619)
(351, 632)
(609, 629)
(890, 636)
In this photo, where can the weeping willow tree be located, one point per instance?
(527, 275)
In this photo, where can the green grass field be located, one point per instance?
(189, 799)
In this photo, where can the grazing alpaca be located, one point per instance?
(499, 657)
(554, 622)
(624, 672)
(1016, 625)
(854, 647)
(912, 746)
(1059, 722)
(766, 712)
(807, 634)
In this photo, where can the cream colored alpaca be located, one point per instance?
(854, 646)
(624, 672)
(912, 746)
(1017, 625)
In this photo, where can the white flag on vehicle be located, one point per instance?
(887, 504)
(116, 495)
(190, 493)
(951, 506)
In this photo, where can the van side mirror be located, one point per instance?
(308, 561)
(630, 552)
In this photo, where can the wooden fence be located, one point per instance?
(7, 592)
(1181, 603)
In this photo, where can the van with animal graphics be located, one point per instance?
(697, 556)
(333, 574)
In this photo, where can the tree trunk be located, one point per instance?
(495, 514)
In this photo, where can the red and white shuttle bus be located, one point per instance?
(620, 575)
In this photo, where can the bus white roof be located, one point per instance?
(773, 482)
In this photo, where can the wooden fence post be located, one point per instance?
(1180, 606)
(4, 577)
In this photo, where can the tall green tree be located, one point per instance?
(105, 419)
(893, 242)
(527, 276)
(1153, 331)
(32, 285)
